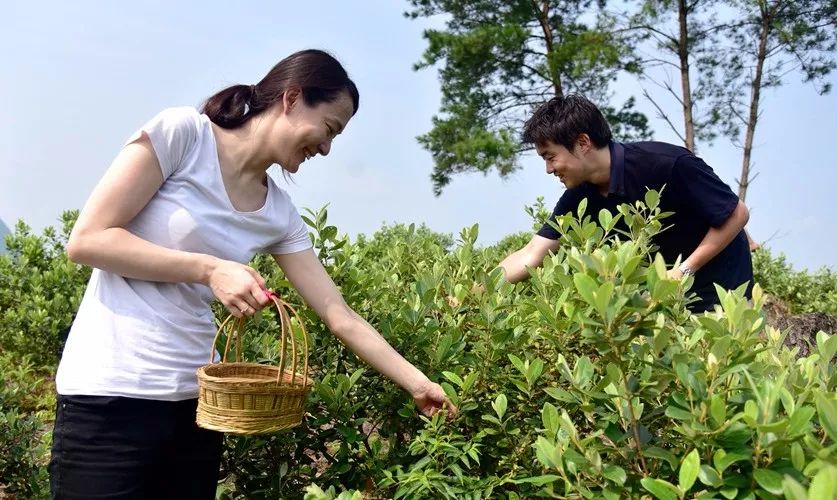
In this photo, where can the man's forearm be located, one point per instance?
(717, 238)
(514, 267)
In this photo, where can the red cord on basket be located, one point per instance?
(269, 293)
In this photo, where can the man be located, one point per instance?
(573, 137)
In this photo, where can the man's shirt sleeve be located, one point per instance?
(702, 191)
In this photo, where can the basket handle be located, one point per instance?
(287, 333)
(234, 326)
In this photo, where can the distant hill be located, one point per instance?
(4, 230)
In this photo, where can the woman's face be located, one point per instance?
(307, 131)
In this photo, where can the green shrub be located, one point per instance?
(803, 292)
(590, 380)
(27, 405)
(40, 290)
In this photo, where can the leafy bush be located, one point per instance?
(590, 380)
(27, 404)
(40, 290)
(804, 292)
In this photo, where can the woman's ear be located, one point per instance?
(290, 98)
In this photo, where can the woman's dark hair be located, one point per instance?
(318, 74)
(562, 119)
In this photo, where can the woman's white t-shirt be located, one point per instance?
(146, 339)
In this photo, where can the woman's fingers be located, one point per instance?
(259, 296)
(239, 288)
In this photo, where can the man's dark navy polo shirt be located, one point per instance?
(699, 199)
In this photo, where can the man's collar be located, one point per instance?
(617, 168)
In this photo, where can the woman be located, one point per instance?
(171, 226)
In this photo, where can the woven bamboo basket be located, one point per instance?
(251, 398)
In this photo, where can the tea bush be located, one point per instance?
(27, 403)
(804, 292)
(590, 380)
(40, 290)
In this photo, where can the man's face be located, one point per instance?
(562, 163)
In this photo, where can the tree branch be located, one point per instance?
(663, 115)
(655, 30)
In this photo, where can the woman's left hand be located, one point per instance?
(430, 398)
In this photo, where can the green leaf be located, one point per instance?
(709, 476)
(564, 368)
(548, 454)
(678, 413)
(729, 493)
(583, 371)
(774, 427)
(657, 452)
(615, 473)
(722, 459)
(453, 378)
(652, 199)
(518, 364)
(469, 380)
(800, 421)
(689, 470)
(611, 493)
(751, 412)
(661, 339)
(602, 298)
(535, 370)
(582, 207)
(585, 286)
(664, 289)
(827, 345)
(450, 392)
(797, 456)
(827, 413)
(682, 371)
(660, 488)
(824, 484)
(551, 419)
(793, 490)
(769, 480)
(787, 401)
(538, 480)
(605, 218)
(500, 404)
(560, 394)
(568, 427)
(718, 410)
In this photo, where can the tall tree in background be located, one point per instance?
(499, 58)
(775, 38)
(732, 58)
(684, 36)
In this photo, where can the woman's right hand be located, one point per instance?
(239, 287)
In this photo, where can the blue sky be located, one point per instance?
(79, 77)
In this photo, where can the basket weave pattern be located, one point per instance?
(250, 398)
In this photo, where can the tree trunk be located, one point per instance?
(755, 95)
(543, 18)
(683, 53)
